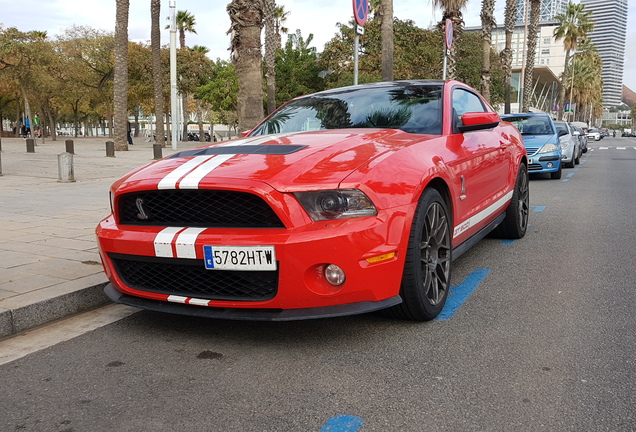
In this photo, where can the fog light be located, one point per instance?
(549, 164)
(334, 274)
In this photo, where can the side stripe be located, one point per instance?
(474, 220)
(170, 181)
(163, 241)
(184, 244)
(192, 180)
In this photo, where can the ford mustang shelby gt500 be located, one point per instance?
(341, 202)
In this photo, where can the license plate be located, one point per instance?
(240, 257)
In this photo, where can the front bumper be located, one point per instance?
(544, 163)
(302, 291)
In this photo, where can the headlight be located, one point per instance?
(336, 204)
(111, 195)
(549, 148)
(565, 145)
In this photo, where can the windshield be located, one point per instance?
(411, 108)
(531, 125)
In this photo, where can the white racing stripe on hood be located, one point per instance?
(192, 180)
(170, 181)
(163, 241)
(184, 244)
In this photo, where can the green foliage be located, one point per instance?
(220, 91)
(297, 69)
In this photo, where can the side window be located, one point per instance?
(465, 101)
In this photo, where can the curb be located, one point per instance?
(21, 313)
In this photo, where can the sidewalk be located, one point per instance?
(49, 265)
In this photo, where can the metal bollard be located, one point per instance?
(30, 144)
(65, 168)
(110, 149)
(156, 149)
(70, 147)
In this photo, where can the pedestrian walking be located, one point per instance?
(128, 135)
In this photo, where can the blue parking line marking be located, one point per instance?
(537, 208)
(459, 294)
(570, 175)
(342, 423)
(508, 242)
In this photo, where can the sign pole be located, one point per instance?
(360, 12)
(448, 39)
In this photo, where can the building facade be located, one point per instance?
(609, 35)
(549, 8)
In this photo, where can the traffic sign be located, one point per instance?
(360, 11)
(449, 33)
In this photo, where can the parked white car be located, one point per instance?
(594, 134)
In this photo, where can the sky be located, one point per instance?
(212, 22)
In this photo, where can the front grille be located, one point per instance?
(197, 208)
(531, 150)
(535, 167)
(189, 278)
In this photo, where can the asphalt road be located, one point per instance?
(545, 342)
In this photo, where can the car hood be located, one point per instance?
(538, 141)
(287, 162)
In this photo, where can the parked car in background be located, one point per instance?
(341, 202)
(594, 134)
(570, 146)
(541, 141)
(581, 135)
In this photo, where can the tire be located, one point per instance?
(571, 163)
(557, 175)
(578, 158)
(515, 225)
(427, 269)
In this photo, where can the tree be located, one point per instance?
(246, 18)
(487, 23)
(185, 23)
(385, 13)
(120, 95)
(157, 69)
(531, 50)
(506, 54)
(452, 10)
(269, 9)
(297, 69)
(574, 25)
(280, 18)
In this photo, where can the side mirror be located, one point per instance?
(473, 121)
(562, 133)
(576, 133)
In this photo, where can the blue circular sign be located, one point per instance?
(449, 33)
(361, 11)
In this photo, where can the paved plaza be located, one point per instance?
(49, 265)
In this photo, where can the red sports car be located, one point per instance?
(341, 202)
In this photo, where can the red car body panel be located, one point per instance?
(391, 167)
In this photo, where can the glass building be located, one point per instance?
(609, 35)
(549, 8)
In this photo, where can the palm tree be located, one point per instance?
(120, 95)
(452, 10)
(386, 30)
(185, 23)
(531, 47)
(280, 18)
(574, 25)
(506, 54)
(487, 23)
(246, 18)
(269, 9)
(157, 70)
(203, 50)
